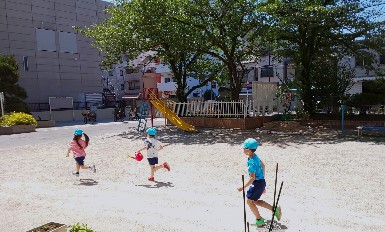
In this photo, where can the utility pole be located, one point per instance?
(269, 67)
(2, 105)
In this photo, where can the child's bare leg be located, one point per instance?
(77, 168)
(154, 169)
(84, 167)
(264, 204)
(157, 168)
(253, 207)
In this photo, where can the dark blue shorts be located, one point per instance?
(80, 160)
(153, 161)
(256, 189)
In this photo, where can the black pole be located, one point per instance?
(248, 227)
(275, 192)
(275, 185)
(275, 207)
(268, 70)
(244, 202)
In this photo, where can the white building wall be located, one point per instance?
(356, 88)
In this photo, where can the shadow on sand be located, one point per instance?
(158, 184)
(87, 182)
(208, 136)
(277, 226)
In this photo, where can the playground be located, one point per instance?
(329, 183)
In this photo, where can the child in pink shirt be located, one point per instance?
(78, 146)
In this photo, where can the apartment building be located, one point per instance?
(269, 69)
(54, 60)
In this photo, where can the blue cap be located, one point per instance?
(78, 132)
(250, 144)
(151, 131)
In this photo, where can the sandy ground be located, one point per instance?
(329, 183)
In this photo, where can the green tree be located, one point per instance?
(143, 25)
(13, 93)
(231, 29)
(332, 78)
(373, 93)
(310, 31)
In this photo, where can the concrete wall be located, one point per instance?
(239, 123)
(69, 115)
(52, 73)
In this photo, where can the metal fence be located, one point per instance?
(221, 109)
(36, 107)
(234, 109)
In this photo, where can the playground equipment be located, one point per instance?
(143, 112)
(161, 105)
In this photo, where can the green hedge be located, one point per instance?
(80, 228)
(14, 118)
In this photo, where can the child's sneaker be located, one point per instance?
(151, 179)
(92, 168)
(75, 174)
(278, 213)
(166, 166)
(260, 222)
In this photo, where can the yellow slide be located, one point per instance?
(170, 115)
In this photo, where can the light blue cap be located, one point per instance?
(78, 132)
(151, 131)
(250, 143)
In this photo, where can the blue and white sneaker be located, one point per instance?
(93, 168)
(75, 174)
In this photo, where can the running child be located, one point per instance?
(256, 170)
(78, 146)
(152, 145)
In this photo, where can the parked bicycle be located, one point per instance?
(119, 114)
(89, 116)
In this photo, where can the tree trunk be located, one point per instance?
(235, 81)
(307, 93)
(181, 95)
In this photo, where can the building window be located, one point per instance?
(132, 85)
(111, 73)
(121, 86)
(45, 40)
(167, 79)
(25, 63)
(67, 42)
(267, 71)
(382, 59)
(121, 73)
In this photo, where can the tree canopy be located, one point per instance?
(232, 30)
(142, 25)
(319, 30)
(9, 77)
(208, 40)
(212, 39)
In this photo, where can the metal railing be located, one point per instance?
(36, 107)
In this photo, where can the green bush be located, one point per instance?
(286, 117)
(80, 228)
(14, 118)
(301, 114)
